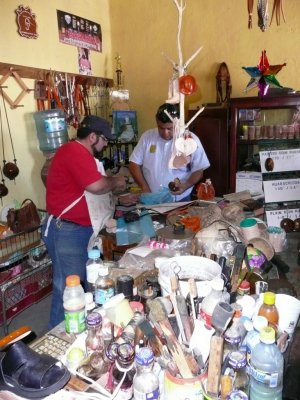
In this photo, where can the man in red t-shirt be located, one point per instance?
(68, 228)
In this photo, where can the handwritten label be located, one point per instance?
(280, 160)
(282, 190)
(251, 181)
(274, 217)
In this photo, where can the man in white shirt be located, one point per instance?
(149, 161)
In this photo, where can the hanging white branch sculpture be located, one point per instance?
(182, 143)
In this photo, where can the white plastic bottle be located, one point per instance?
(74, 305)
(93, 265)
(215, 296)
(266, 368)
(145, 382)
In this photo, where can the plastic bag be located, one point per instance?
(162, 196)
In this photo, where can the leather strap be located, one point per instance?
(250, 13)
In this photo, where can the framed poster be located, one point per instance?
(78, 31)
(125, 125)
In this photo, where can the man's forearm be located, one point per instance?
(137, 174)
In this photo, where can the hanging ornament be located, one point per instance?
(10, 170)
(263, 76)
(3, 188)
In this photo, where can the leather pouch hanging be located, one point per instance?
(24, 219)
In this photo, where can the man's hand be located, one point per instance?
(119, 182)
(130, 198)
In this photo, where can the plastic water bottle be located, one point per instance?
(252, 337)
(74, 305)
(93, 265)
(145, 382)
(266, 368)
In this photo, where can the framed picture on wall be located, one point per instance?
(125, 125)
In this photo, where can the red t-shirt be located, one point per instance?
(73, 168)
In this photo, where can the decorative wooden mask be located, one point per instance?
(26, 22)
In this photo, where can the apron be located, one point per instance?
(101, 208)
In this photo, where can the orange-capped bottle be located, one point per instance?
(269, 310)
(205, 190)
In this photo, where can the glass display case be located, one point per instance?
(265, 145)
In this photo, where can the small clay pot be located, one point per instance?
(10, 170)
(297, 225)
(269, 164)
(287, 224)
(3, 190)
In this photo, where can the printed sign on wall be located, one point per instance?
(78, 31)
(274, 217)
(280, 160)
(282, 190)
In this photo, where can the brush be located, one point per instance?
(153, 341)
(158, 312)
(174, 299)
(193, 295)
(184, 316)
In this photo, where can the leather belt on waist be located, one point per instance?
(66, 221)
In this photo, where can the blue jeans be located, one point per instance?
(66, 243)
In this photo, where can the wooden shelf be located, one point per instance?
(39, 73)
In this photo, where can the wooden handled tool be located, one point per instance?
(159, 314)
(214, 366)
(193, 294)
(174, 299)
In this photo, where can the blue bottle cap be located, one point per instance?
(94, 253)
(144, 356)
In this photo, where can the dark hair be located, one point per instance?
(172, 109)
(83, 132)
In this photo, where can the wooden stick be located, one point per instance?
(193, 295)
(214, 365)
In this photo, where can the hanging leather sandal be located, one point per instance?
(28, 374)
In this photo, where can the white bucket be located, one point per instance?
(289, 311)
(202, 269)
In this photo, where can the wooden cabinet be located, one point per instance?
(211, 126)
(262, 124)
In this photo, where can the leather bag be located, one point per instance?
(24, 219)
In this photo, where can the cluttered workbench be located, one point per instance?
(182, 264)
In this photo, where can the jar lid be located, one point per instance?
(248, 222)
(93, 319)
(269, 298)
(94, 253)
(125, 353)
(267, 335)
(237, 395)
(144, 356)
(72, 280)
(245, 285)
(259, 322)
(237, 359)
